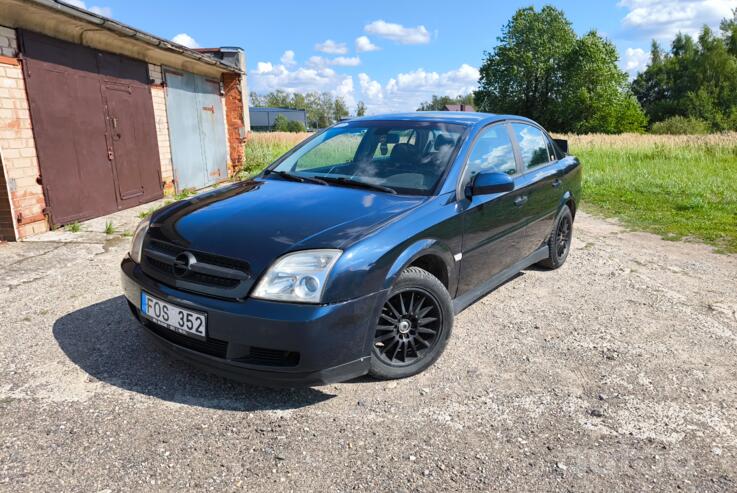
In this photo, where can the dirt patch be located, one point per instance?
(616, 372)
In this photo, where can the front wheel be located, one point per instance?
(414, 326)
(560, 240)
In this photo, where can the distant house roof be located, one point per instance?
(459, 107)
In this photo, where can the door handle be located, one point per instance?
(520, 201)
(556, 183)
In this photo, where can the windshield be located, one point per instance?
(405, 157)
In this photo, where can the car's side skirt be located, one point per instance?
(465, 300)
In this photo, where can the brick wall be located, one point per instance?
(158, 94)
(234, 120)
(19, 161)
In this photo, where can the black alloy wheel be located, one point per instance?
(559, 244)
(563, 236)
(410, 325)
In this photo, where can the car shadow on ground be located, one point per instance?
(106, 342)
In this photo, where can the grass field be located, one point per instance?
(675, 186)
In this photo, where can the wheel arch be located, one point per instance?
(569, 200)
(430, 255)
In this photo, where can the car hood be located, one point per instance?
(260, 220)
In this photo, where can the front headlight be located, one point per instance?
(298, 276)
(137, 243)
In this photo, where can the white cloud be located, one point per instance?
(398, 33)
(264, 68)
(185, 39)
(288, 58)
(406, 91)
(269, 77)
(364, 44)
(403, 92)
(635, 60)
(340, 61)
(370, 88)
(95, 9)
(345, 61)
(331, 47)
(663, 19)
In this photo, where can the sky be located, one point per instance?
(393, 54)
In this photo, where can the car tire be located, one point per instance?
(413, 327)
(559, 243)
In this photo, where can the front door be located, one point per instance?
(492, 224)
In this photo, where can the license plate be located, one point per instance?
(187, 322)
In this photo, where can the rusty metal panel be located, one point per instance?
(196, 129)
(88, 167)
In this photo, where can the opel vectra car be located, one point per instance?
(352, 253)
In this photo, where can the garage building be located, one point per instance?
(96, 116)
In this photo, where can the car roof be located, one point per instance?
(457, 117)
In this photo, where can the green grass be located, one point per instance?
(73, 228)
(109, 228)
(677, 190)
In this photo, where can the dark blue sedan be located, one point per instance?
(352, 253)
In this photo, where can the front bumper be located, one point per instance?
(324, 343)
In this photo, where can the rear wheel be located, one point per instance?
(560, 240)
(413, 327)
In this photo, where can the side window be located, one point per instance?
(533, 145)
(492, 152)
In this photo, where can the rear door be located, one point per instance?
(492, 224)
(539, 183)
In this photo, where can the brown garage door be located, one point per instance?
(94, 127)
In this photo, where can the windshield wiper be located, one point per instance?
(360, 184)
(290, 176)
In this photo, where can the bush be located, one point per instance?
(295, 126)
(680, 125)
(281, 124)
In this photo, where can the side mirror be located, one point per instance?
(486, 183)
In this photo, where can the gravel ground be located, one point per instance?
(616, 372)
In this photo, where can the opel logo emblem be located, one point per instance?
(182, 263)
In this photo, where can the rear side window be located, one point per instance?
(533, 145)
(492, 152)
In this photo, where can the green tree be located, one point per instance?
(360, 108)
(696, 79)
(295, 126)
(281, 124)
(340, 110)
(542, 70)
(596, 96)
(438, 103)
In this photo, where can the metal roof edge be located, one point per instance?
(130, 32)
